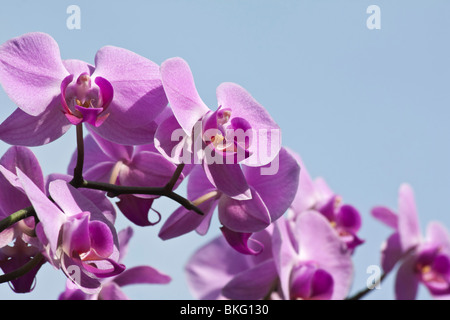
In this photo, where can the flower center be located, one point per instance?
(84, 101)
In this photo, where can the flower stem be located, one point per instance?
(15, 217)
(175, 176)
(78, 171)
(115, 190)
(362, 293)
(27, 267)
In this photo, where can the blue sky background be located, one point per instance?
(366, 109)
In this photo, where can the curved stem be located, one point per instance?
(115, 190)
(15, 217)
(27, 267)
(362, 293)
(175, 176)
(78, 171)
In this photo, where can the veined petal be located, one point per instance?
(77, 67)
(244, 215)
(136, 209)
(183, 97)
(243, 105)
(48, 213)
(22, 129)
(386, 216)
(240, 241)
(31, 71)
(229, 179)
(148, 169)
(141, 275)
(406, 281)
(212, 266)
(319, 242)
(408, 220)
(138, 93)
(113, 150)
(391, 252)
(182, 221)
(252, 284)
(305, 196)
(12, 197)
(286, 180)
(285, 255)
(118, 130)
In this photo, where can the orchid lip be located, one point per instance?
(83, 101)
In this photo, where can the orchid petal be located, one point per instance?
(141, 275)
(208, 272)
(408, 220)
(183, 97)
(136, 209)
(244, 215)
(182, 221)
(319, 242)
(138, 93)
(252, 284)
(284, 254)
(51, 217)
(391, 252)
(243, 105)
(23, 129)
(406, 281)
(31, 71)
(77, 67)
(229, 179)
(286, 178)
(119, 131)
(386, 216)
(240, 241)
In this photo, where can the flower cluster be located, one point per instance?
(283, 234)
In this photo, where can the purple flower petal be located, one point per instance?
(252, 284)
(408, 220)
(171, 141)
(22, 129)
(406, 281)
(136, 209)
(286, 178)
(101, 239)
(320, 243)
(437, 234)
(148, 169)
(391, 252)
(208, 272)
(111, 291)
(12, 197)
(75, 271)
(244, 215)
(285, 255)
(305, 196)
(183, 97)
(141, 275)
(386, 216)
(138, 93)
(31, 71)
(51, 217)
(76, 234)
(239, 241)
(229, 179)
(117, 130)
(182, 221)
(243, 105)
(114, 151)
(77, 67)
(349, 219)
